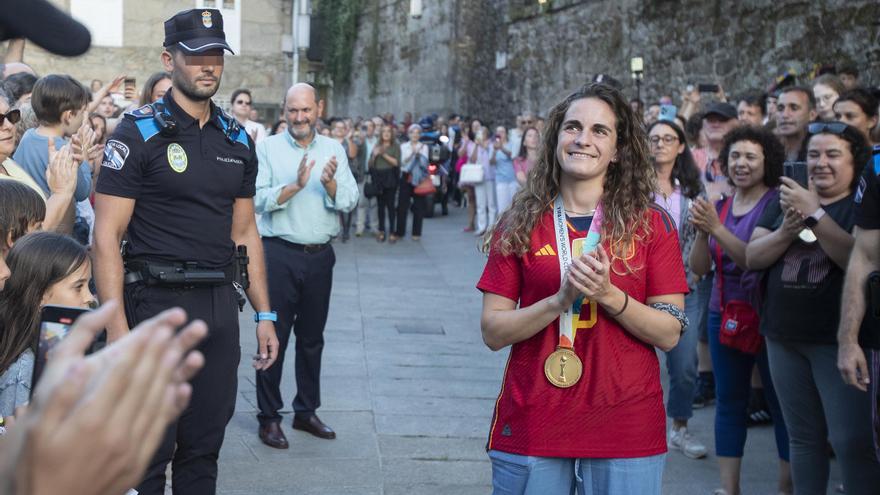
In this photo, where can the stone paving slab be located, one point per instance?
(412, 410)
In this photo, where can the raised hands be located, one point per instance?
(96, 421)
(329, 172)
(304, 171)
(61, 174)
(84, 143)
(704, 216)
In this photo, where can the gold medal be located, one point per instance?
(807, 236)
(563, 368)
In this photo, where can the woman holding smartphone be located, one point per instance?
(804, 243)
(46, 268)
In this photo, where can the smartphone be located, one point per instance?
(668, 112)
(130, 85)
(708, 88)
(55, 323)
(796, 171)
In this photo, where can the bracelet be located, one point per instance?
(625, 304)
(673, 311)
(270, 316)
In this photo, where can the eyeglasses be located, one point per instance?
(13, 116)
(829, 127)
(243, 102)
(668, 139)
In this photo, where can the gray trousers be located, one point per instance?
(818, 407)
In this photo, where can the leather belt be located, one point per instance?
(176, 274)
(305, 248)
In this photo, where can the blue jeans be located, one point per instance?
(514, 474)
(681, 361)
(733, 376)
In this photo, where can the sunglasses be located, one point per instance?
(829, 127)
(13, 116)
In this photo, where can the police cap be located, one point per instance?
(196, 30)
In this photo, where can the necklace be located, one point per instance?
(585, 214)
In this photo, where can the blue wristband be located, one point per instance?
(271, 316)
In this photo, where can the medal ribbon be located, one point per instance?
(564, 255)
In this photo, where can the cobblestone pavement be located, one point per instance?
(409, 386)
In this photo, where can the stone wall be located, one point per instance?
(414, 60)
(260, 66)
(551, 50)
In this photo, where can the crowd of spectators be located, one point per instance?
(747, 229)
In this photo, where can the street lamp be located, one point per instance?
(637, 68)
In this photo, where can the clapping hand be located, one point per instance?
(329, 172)
(83, 143)
(95, 421)
(704, 217)
(304, 172)
(61, 174)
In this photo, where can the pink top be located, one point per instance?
(522, 164)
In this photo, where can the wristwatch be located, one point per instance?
(271, 316)
(813, 219)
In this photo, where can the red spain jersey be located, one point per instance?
(616, 409)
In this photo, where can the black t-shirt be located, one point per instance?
(184, 186)
(867, 203)
(802, 300)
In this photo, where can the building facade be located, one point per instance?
(127, 39)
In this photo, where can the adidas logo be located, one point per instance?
(546, 251)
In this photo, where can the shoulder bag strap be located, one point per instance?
(719, 268)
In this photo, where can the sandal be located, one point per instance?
(392, 239)
(380, 237)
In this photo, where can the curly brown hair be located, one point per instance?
(629, 183)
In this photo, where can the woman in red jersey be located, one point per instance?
(584, 280)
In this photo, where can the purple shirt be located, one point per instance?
(741, 227)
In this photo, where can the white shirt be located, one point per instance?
(255, 130)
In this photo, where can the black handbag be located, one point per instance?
(371, 190)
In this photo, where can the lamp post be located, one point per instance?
(415, 9)
(637, 68)
(300, 27)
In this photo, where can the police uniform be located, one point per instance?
(185, 180)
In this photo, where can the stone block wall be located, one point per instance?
(551, 50)
(415, 61)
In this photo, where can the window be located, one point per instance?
(231, 11)
(103, 18)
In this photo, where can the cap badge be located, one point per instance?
(177, 157)
(206, 19)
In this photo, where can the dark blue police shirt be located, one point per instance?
(184, 186)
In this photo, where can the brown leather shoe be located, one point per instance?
(314, 426)
(271, 435)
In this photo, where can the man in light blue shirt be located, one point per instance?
(300, 206)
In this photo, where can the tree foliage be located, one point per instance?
(339, 21)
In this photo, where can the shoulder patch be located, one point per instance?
(142, 112)
(665, 216)
(115, 154)
(147, 127)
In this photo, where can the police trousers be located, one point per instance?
(192, 444)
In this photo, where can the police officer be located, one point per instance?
(178, 181)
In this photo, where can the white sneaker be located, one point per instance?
(688, 445)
